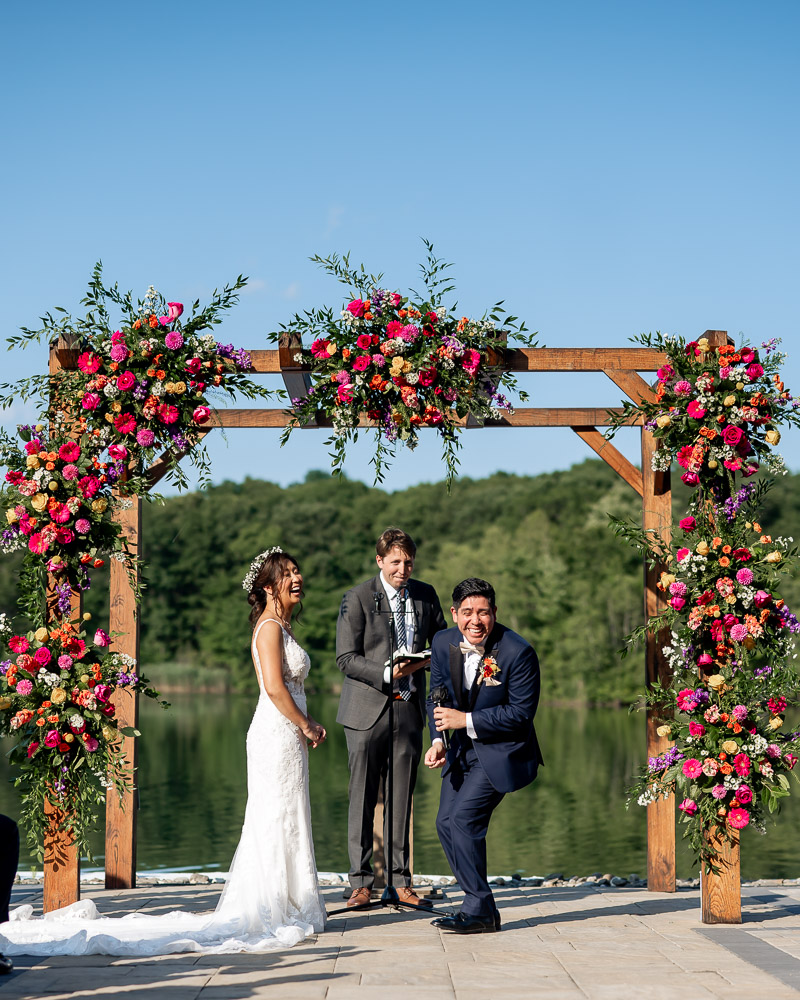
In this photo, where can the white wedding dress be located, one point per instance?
(271, 899)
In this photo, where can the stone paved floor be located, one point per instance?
(556, 943)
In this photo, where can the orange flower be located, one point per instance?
(345, 353)
(368, 315)
(724, 562)
(161, 374)
(726, 768)
(402, 313)
(50, 466)
(52, 718)
(153, 321)
(726, 549)
(137, 324)
(151, 373)
(723, 755)
(756, 528)
(40, 722)
(716, 541)
(113, 365)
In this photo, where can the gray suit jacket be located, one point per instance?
(362, 649)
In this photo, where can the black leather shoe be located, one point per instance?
(6, 965)
(463, 923)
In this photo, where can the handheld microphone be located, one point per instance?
(377, 597)
(440, 697)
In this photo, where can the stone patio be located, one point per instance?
(559, 943)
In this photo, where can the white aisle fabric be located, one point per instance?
(271, 899)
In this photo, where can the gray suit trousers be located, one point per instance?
(368, 753)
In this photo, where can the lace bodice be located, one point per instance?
(296, 662)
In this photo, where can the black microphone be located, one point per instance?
(377, 597)
(440, 697)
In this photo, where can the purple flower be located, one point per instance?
(4, 665)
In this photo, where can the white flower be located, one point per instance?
(157, 389)
(110, 390)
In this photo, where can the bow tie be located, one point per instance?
(467, 647)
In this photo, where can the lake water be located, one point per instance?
(572, 819)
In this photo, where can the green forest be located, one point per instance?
(562, 578)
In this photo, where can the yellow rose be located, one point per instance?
(99, 505)
(58, 696)
(4, 704)
(32, 462)
(729, 400)
(406, 366)
(116, 407)
(703, 345)
(331, 349)
(667, 579)
(110, 418)
(39, 501)
(775, 722)
(169, 386)
(773, 557)
(11, 517)
(730, 746)
(740, 385)
(716, 681)
(772, 437)
(41, 634)
(68, 737)
(108, 733)
(702, 548)
(664, 420)
(664, 730)
(731, 599)
(179, 388)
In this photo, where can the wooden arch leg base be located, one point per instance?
(61, 863)
(721, 894)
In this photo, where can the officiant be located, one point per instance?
(363, 653)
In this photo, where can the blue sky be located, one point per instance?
(606, 169)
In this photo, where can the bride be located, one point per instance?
(271, 899)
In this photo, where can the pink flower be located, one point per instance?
(37, 543)
(739, 712)
(90, 401)
(686, 700)
(24, 687)
(88, 362)
(427, 376)
(692, 768)
(102, 692)
(681, 554)
(319, 349)
(126, 380)
(790, 760)
(684, 455)
(173, 340)
(119, 353)
(118, 452)
(711, 715)
(18, 644)
(754, 371)
(364, 341)
(762, 598)
(101, 638)
(683, 388)
(744, 576)
(65, 662)
(118, 337)
(704, 659)
(193, 365)
(732, 435)
(734, 465)
(89, 486)
(690, 478)
(687, 524)
(69, 452)
(677, 589)
(688, 806)
(695, 410)
(145, 437)
(361, 363)
(167, 414)
(739, 633)
(344, 394)
(201, 414)
(695, 729)
(744, 795)
(52, 738)
(677, 602)
(125, 423)
(32, 447)
(741, 764)
(64, 536)
(777, 704)
(470, 361)
(738, 818)
(174, 309)
(70, 472)
(82, 526)
(357, 307)
(42, 656)
(665, 373)
(719, 791)
(747, 354)
(32, 748)
(90, 743)
(710, 767)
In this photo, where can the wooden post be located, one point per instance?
(721, 892)
(657, 515)
(121, 809)
(61, 859)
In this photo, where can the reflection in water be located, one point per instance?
(572, 819)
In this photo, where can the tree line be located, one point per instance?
(562, 578)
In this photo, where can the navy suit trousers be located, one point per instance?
(467, 801)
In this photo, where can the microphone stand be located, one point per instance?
(389, 898)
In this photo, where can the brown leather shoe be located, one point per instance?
(360, 896)
(407, 895)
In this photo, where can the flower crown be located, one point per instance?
(255, 567)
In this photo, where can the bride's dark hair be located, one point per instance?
(268, 577)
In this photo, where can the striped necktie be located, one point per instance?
(404, 683)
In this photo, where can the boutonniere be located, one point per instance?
(488, 672)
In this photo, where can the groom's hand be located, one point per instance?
(449, 718)
(435, 755)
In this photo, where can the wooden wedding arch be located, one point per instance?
(721, 895)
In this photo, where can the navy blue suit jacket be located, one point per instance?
(502, 714)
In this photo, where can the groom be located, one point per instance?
(363, 644)
(491, 678)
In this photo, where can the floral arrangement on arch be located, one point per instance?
(58, 509)
(400, 362)
(143, 385)
(716, 409)
(56, 691)
(727, 635)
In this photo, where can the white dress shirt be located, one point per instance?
(472, 664)
(411, 625)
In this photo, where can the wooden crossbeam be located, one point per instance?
(632, 384)
(606, 450)
(529, 359)
(522, 417)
